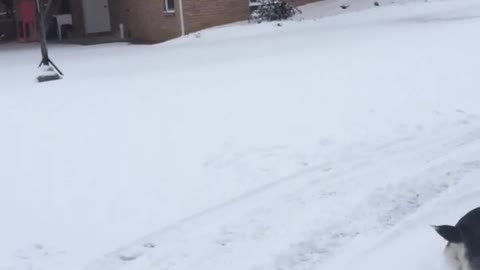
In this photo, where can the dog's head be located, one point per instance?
(463, 248)
(458, 251)
(452, 234)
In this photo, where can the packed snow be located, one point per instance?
(331, 141)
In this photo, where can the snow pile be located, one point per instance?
(327, 8)
(319, 144)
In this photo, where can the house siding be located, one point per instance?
(146, 20)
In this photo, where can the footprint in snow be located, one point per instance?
(128, 258)
(475, 164)
(149, 245)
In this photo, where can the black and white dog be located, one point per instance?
(463, 248)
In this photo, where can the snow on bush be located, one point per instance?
(273, 10)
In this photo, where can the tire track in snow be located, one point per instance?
(134, 251)
(319, 245)
(386, 205)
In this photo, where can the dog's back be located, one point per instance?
(463, 248)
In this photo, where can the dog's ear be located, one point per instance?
(450, 233)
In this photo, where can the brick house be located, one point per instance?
(154, 20)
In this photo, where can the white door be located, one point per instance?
(96, 14)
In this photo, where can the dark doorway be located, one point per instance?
(7, 20)
(62, 7)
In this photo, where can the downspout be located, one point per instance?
(182, 19)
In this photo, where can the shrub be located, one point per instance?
(273, 10)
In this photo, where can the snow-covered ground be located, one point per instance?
(319, 144)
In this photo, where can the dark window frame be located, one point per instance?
(169, 6)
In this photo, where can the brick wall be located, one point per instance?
(200, 14)
(145, 20)
(77, 18)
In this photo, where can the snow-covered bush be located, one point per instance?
(273, 10)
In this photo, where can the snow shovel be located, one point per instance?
(49, 71)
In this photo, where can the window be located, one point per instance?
(169, 5)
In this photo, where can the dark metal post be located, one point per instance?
(43, 13)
